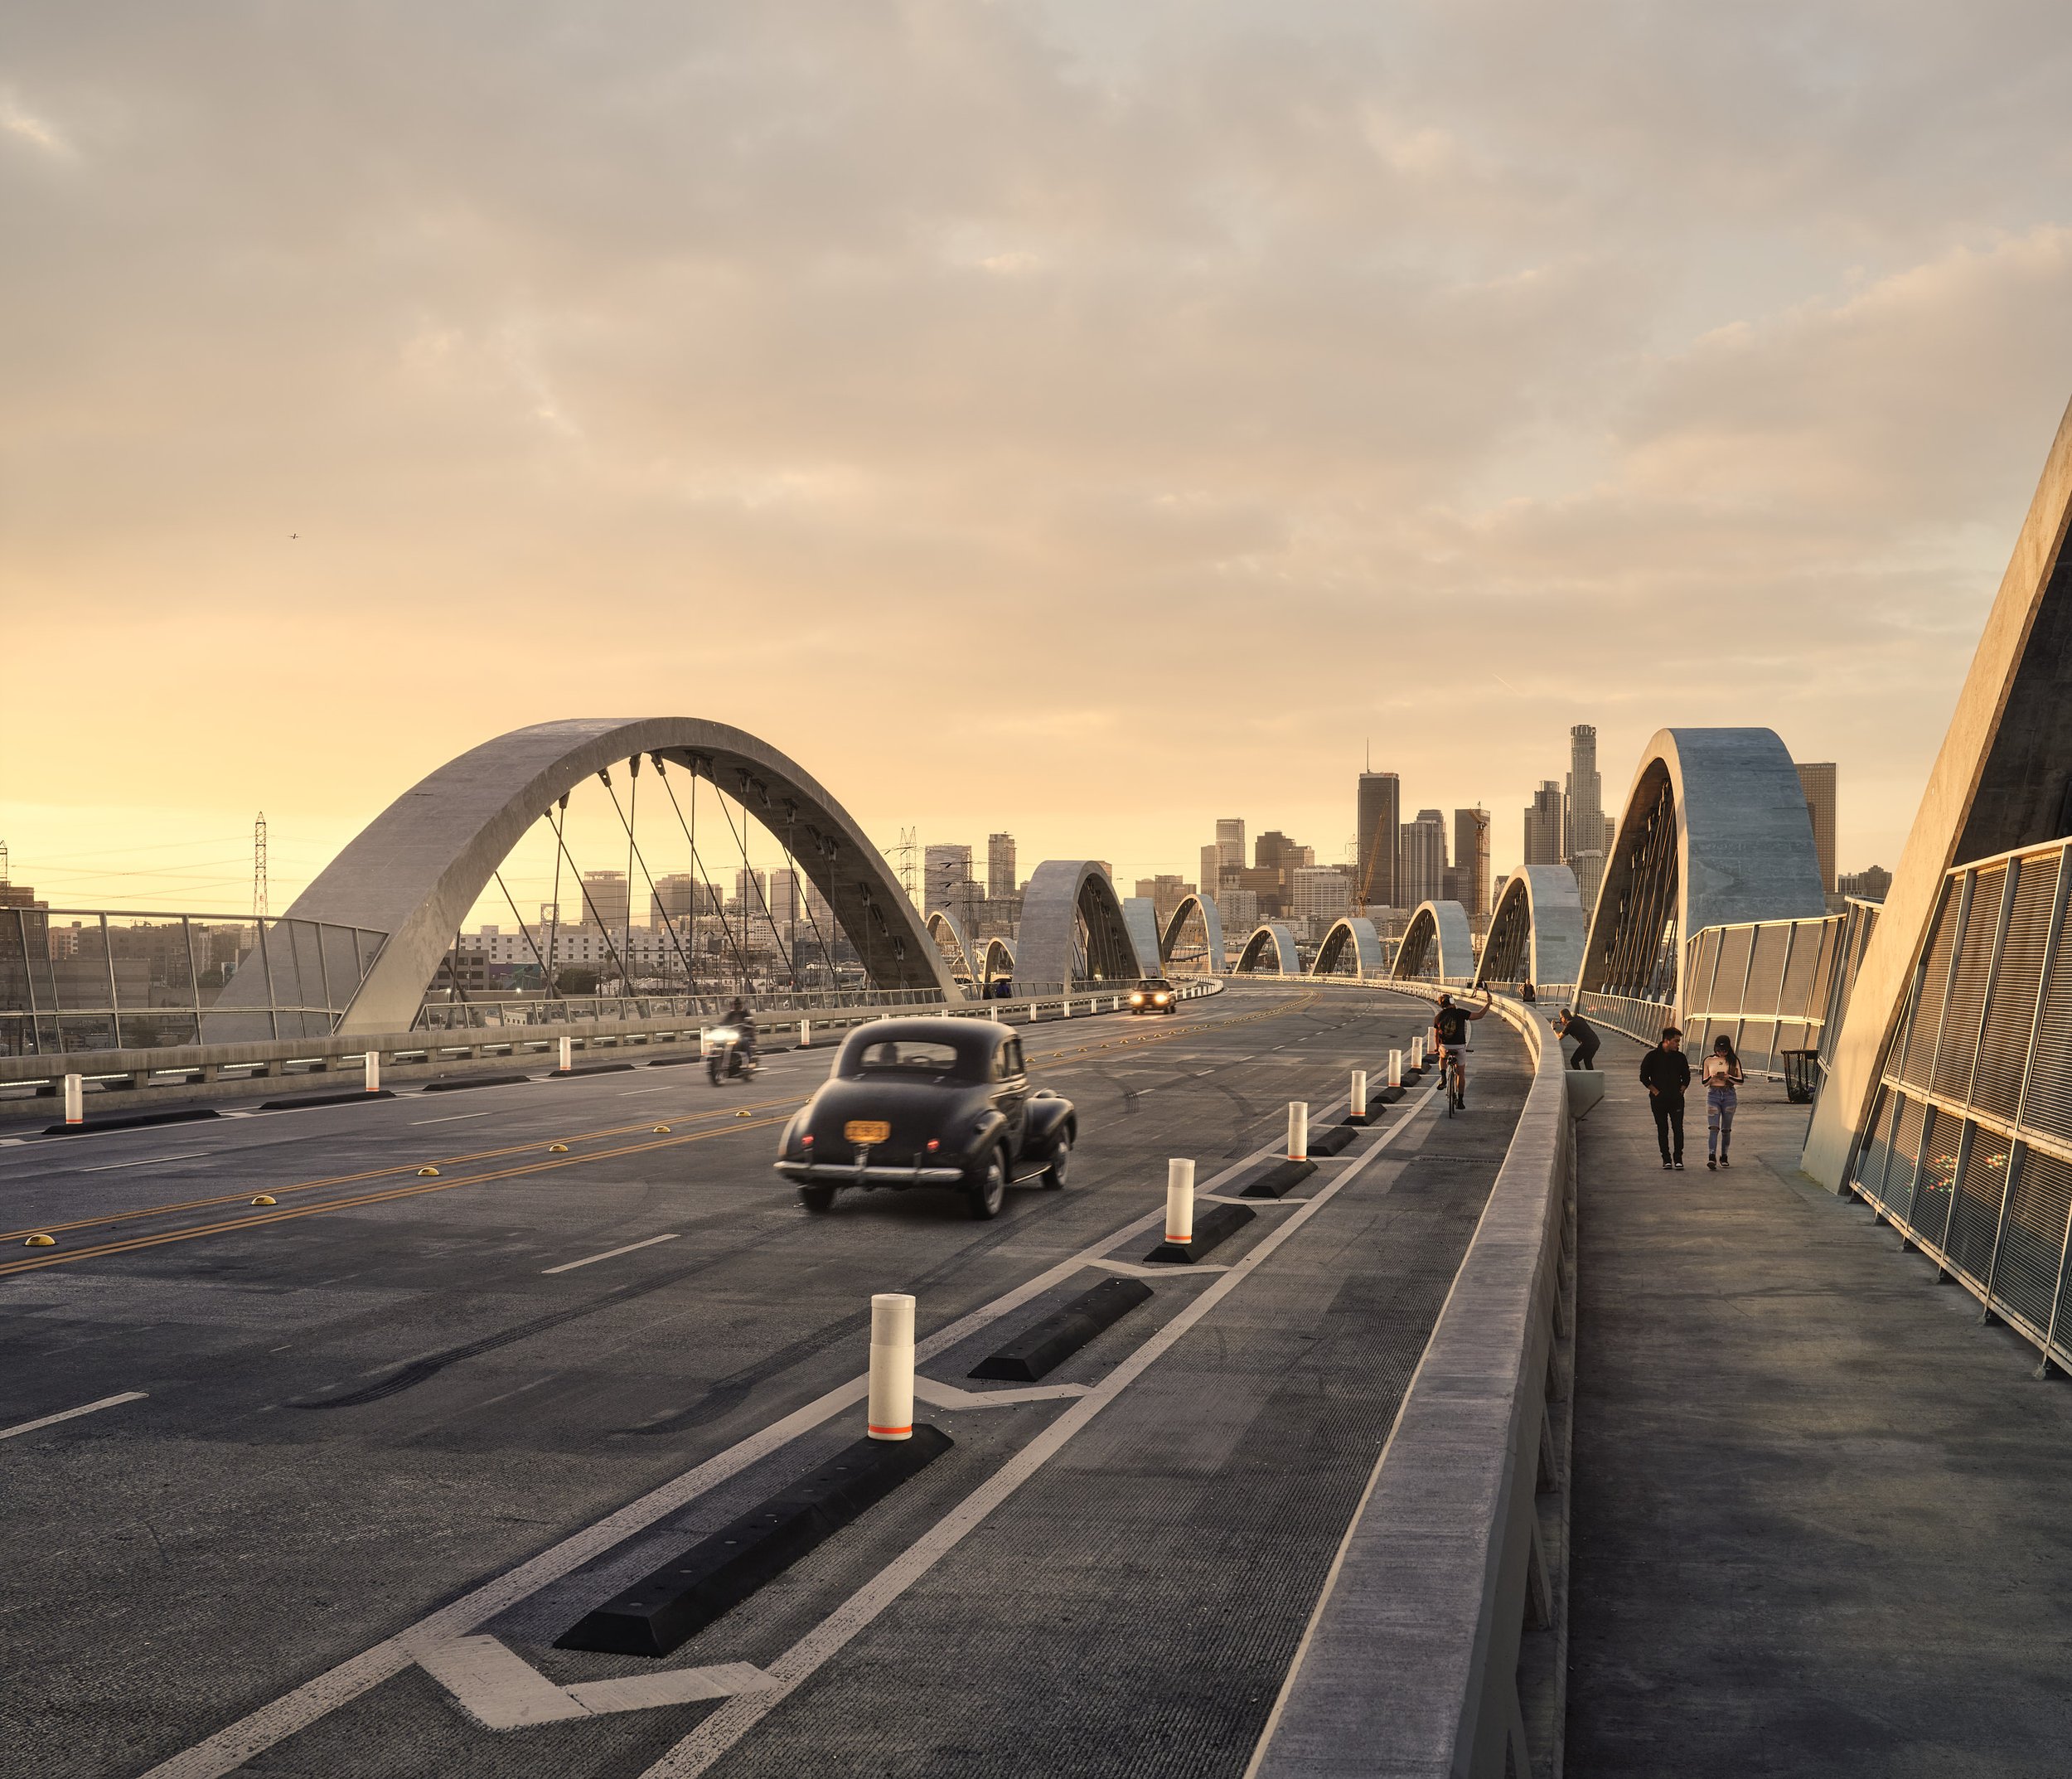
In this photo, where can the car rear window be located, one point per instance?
(917, 1056)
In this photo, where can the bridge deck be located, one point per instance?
(1819, 1511)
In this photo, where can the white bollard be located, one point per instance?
(890, 1415)
(995, 1015)
(566, 1049)
(1179, 1201)
(805, 1033)
(1032, 1013)
(1418, 1053)
(1358, 1107)
(1066, 1013)
(75, 1098)
(1394, 1067)
(373, 1060)
(1298, 1130)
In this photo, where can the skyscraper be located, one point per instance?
(1212, 874)
(942, 867)
(1584, 848)
(1543, 825)
(606, 901)
(1816, 779)
(1229, 842)
(1471, 862)
(1000, 867)
(1421, 870)
(1380, 815)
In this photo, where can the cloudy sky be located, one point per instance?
(1081, 420)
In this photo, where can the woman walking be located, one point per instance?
(1722, 1070)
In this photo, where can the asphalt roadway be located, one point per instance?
(350, 1464)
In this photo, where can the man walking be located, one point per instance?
(1665, 1072)
(1572, 1025)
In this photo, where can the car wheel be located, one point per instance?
(1060, 1160)
(817, 1198)
(989, 1192)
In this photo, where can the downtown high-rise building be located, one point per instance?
(1584, 846)
(607, 900)
(942, 867)
(1471, 863)
(1420, 860)
(1377, 843)
(1816, 779)
(1000, 867)
(1544, 825)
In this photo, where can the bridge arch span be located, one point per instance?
(996, 960)
(1271, 951)
(948, 938)
(1437, 944)
(1536, 930)
(1073, 927)
(1715, 833)
(416, 870)
(1354, 937)
(1201, 911)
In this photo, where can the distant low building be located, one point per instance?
(1873, 885)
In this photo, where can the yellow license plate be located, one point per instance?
(866, 1130)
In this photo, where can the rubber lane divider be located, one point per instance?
(589, 1068)
(382, 1173)
(1042, 1349)
(309, 1102)
(461, 1086)
(1277, 1179)
(232, 1225)
(1210, 1232)
(135, 1121)
(670, 1605)
(1336, 1141)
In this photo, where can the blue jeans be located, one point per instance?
(1719, 1121)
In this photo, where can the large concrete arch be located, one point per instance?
(1140, 915)
(1214, 959)
(1715, 832)
(1274, 938)
(416, 870)
(996, 960)
(2002, 780)
(1536, 930)
(1064, 896)
(1354, 936)
(948, 938)
(1437, 942)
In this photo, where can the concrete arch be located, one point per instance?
(1074, 929)
(1536, 930)
(1437, 944)
(1272, 937)
(1715, 832)
(1354, 936)
(416, 870)
(1140, 915)
(948, 938)
(996, 960)
(1213, 957)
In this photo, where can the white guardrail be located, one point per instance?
(115, 1082)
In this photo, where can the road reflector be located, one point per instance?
(661, 1130)
(428, 1173)
(744, 1114)
(265, 1198)
(557, 1148)
(40, 1241)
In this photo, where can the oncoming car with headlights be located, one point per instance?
(942, 1103)
(1154, 995)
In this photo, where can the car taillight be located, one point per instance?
(934, 1144)
(807, 1139)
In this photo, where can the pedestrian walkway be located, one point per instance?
(1821, 1519)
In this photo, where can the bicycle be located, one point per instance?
(1455, 1068)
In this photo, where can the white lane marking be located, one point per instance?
(1130, 1269)
(635, 1092)
(950, 1396)
(672, 1686)
(273, 1723)
(73, 1414)
(454, 1118)
(713, 1738)
(107, 1167)
(500, 1689)
(12, 1143)
(609, 1253)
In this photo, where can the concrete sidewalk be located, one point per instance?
(1823, 1518)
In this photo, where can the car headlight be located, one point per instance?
(1136, 1000)
(1161, 999)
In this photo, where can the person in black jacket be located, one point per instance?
(1573, 1024)
(1665, 1072)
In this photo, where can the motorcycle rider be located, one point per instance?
(739, 1018)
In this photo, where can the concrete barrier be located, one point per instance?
(1438, 1647)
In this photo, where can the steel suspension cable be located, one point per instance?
(749, 872)
(697, 864)
(602, 926)
(556, 817)
(633, 853)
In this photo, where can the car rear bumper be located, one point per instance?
(847, 1174)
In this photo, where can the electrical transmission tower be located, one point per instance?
(907, 864)
(258, 867)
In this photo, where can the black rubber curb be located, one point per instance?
(136, 1121)
(1210, 1231)
(1061, 1334)
(588, 1069)
(299, 1101)
(1277, 1179)
(1361, 1120)
(1389, 1095)
(1335, 1140)
(679, 1600)
(455, 1086)
(671, 1062)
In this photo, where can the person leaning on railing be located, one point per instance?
(1569, 1024)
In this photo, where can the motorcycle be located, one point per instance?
(727, 1055)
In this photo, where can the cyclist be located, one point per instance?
(1449, 1035)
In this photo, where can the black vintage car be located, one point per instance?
(1154, 995)
(928, 1102)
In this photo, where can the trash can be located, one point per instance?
(1801, 1076)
